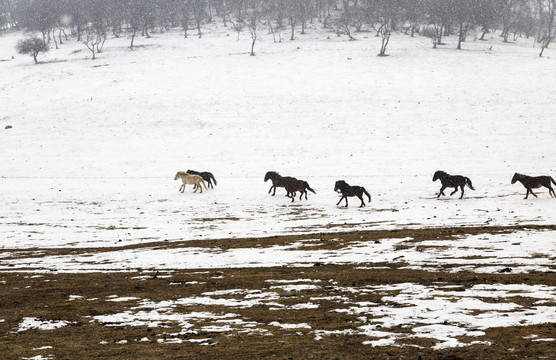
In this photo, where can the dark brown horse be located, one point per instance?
(454, 181)
(348, 190)
(207, 176)
(277, 181)
(534, 182)
(294, 185)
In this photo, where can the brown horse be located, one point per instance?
(534, 182)
(294, 185)
(454, 181)
(207, 176)
(277, 181)
(348, 190)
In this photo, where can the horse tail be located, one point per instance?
(366, 193)
(552, 180)
(309, 188)
(213, 179)
(204, 184)
(468, 182)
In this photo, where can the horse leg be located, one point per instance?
(535, 195)
(274, 193)
(342, 198)
(453, 192)
(362, 202)
(527, 194)
(182, 188)
(270, 190)
(441, 192)
(461, 197)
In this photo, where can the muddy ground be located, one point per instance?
(234, 327)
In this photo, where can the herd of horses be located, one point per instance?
(293, 185)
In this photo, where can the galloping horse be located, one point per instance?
(277, 181)
(294, 185)
(534, 182)
(348, 190)
(454, 181)
(207, 176)
(190, 179)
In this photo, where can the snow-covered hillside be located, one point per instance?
(94, 146)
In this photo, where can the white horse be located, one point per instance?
(190, 179)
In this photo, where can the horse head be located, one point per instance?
(437, 175)
(340, 184)
(516, 177)
(179, 174)
(271, 175)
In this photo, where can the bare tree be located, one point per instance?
(198, 14)
(292, 13)
(32, 46)
(94, 40)
(486, 16)
(386, 13)
(439, 15)
(38, 16)
(133, 15)
(185, 15)
(239, 10)
(5, 14)
(547, 12)
(464, 15)
(344, 23)
(507, 16)
(254, 14)
(414, 15)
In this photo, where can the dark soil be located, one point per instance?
(46, 296)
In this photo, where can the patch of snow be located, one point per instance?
(122, 299)
(290, 326)
(29, 323)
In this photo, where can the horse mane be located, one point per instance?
(275, 173)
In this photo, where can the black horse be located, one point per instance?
(348, 190)
(294, 185)
(454, 181)
(277, 181)
(207, 176)
(534, 182)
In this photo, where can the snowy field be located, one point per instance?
(94, 146)
(89, 163)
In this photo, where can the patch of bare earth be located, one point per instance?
(253, 313)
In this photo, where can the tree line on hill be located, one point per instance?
(92, 21)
